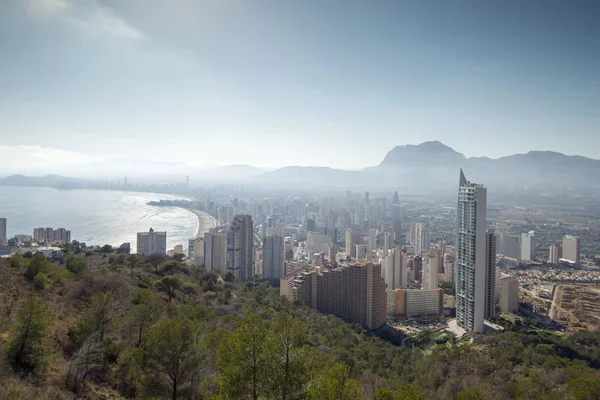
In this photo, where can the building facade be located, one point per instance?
(240, 248)
(490, 275)
(354, 293)
(571, 248)
(3, 238)
(528, 245)
(555, 253)
(416, 303)
(215, 251)
(471, 255)
(273, 253)
(509, 294)
(152, 242)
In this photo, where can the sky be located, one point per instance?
(271, 83)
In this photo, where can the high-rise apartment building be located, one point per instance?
(512, 246)
(471, 255)
(555, 253)
(3, 238)
(571, 248)
(273, 253)
(509, 294)
(528, 245)
(152, 242)
(372, 239)
(240, 248)
(415, 303)
(431, 266)
(215, 251)
(395, 269)
(420, 238)
(490, 274)
(350, 243)
(387, 241)
(354, 293)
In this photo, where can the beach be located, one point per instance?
(205, 222)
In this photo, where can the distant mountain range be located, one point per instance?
(427, 167)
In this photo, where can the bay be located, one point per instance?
(96, 217)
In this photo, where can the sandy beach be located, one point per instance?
(205, 222)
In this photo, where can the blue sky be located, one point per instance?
(273, 83)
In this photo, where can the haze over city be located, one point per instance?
(274, 83)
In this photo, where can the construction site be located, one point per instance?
(576, 307)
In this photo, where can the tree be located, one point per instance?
(76, 265)
(335, 384)
(18, 261)
(289, 362)
(585, 388)
(155, 260)
(190, 289)
(405, 392)
(169, 285)
(26, 349)
(241, 361)
(133, 259)
(229, 276)
(39, 263)
(143, 315)
(106, 249)
(98, 317)
(172, 267)
(471, 393)
(40, 281)
(173, 350)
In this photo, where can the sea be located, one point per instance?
(96, 217)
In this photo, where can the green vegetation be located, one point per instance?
(112, 326)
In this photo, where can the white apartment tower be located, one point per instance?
(273, 253)
(3, 239)
(420, 239)
(240, 249)
(471, 255)
(431, 266)
(350, 243)
(395, 269)
(152, 242)
(528, 245)
(570, 249)
(215, 251)
(372, 239)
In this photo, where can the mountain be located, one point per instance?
(431, 153)
(48, 180)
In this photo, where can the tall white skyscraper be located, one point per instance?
(395, 269)
(431, 266)
(350, 243)
(3, 239)
(555, 253)
(151, 242)
(571, 249)
(420, 238)
(372, 239)
(240, 248)
(215, 251)
(528, 245)
(387, 241)
(471, 255)
(273, 252)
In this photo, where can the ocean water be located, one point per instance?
(96, 217)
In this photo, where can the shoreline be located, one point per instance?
(205, 221)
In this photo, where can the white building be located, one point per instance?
(571, 248)
(471, 255)
(3, 238)
(528, 245)
(509, 294)
(512, 246)
(490, 274)
(273, 253)
(152, 242)
(431, 267)
(240, 248)
(395, 269)
(350, 243)
(421, 238)
(372, 239)
(387, 241)
(555, 253)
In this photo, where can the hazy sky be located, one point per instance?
(273, 83)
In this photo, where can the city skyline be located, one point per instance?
(138, 82)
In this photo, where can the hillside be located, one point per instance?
(108, 326)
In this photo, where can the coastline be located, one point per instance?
(205, 221)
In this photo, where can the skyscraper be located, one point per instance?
(571, 247)
(350, 243)
(387, 241)
(215, 251)
(394, 269)
(431, 263)
(372, 239)
(151, 242)
(421, 238)
(528, 245)
(471, 255)
(490, 274)
(3, 239)
(240, 251)
(273, 251)
(555, 253)
(509, 294)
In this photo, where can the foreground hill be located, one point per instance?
(108, 326)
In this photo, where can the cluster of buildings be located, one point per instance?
(41, 237)
(517, 249)
(52, 236)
